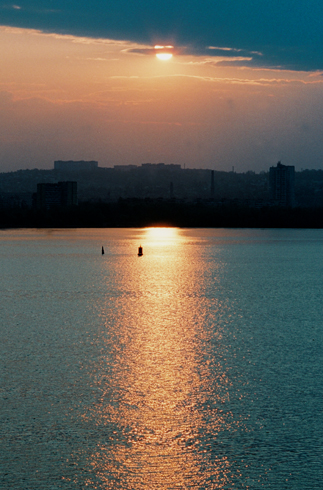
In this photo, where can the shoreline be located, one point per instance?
(146, 213)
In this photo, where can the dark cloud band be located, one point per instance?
(287, 33)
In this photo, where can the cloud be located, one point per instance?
(279, 33)
(224, 56)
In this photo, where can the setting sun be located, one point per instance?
(164, 56)
(164, 52)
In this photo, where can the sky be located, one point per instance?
(80, 80)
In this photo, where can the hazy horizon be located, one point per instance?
(232, 170)
(244, 87)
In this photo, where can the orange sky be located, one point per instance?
(63, 97)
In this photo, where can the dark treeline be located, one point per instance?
(149, 212)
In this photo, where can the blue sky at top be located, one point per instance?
(276, 33)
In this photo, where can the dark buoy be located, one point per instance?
(140, 252)
(102, 251)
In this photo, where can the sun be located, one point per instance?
(164, 56)
(164, 53)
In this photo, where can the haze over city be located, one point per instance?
(81, 80)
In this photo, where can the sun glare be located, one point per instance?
(161, 235)
(164, 53)
(164, 56)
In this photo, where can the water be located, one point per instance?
(196, 366)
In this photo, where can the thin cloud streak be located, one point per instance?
(243, 81)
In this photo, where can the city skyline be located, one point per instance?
(243, 88)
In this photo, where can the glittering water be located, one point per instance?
(196, 366)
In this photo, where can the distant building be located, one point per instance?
(158, 166)
(124, 168)
(60, 194)
(73, 166)
(282, 185)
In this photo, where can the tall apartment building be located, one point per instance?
(60, 194)
(282, 185)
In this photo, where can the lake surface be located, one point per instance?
(196, 366)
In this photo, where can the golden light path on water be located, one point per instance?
(154, 376)
(195, 366)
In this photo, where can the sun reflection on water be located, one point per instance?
(158, 408)
(162, 235)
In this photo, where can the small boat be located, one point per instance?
(140, 252)
(102, 251)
